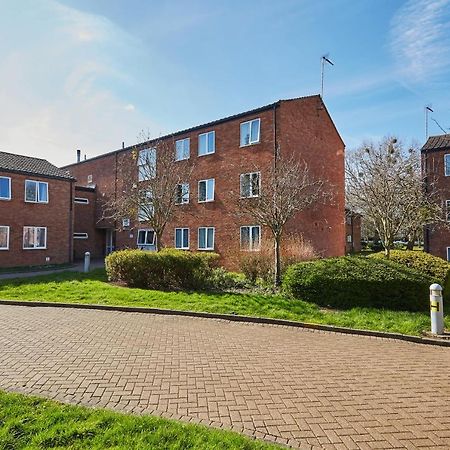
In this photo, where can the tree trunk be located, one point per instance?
(277, 274)
(158, 245)
(387, 251)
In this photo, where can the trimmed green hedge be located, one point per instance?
(166, 269)
(349, 282)
(437, 268)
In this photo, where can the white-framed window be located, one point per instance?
(182, 149)
(146, 209)
(206, 143)
(251, 237)
(4, 237)
(5, 188)
(81, 200)
(206, 238)
(34, 238)
(250, 132)
(250, 184)
(182, 238)
(126, 223)
(80, 236)
(349, 238)
(447, 165)
(36, 191)
(89, 179)
(182, 194)
(206, 190)
(147, 164)
(447, 210)
(146, 239)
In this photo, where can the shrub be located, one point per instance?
(348, 282)
(167, 269)
(260, 264)
(437, 268)
(221, 280)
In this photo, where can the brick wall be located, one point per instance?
(56, 215)
(437, 238)
(303, 127)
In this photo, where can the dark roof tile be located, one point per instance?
(33, 166)
(437, 142)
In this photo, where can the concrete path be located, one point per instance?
(295, 386)
(78, 267)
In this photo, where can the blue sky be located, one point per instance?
(91, 74)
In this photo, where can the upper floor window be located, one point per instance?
(36, 191)
(182, 194)
(250, 132)
(147, 164)
(250, 184)
(447, 165)
(206, 238)
(206, 190)
(34, 237)
(206, 143)
(251, 238)
(5, 188)
(182, 238)
(4, 237)
(182, 150)
(146, 239)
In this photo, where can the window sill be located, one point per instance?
(206, 201)
(182, 159)
(205, 249)
(250, 144)
(207, 154)
(37, 203)
(34, 248)
(5, 199)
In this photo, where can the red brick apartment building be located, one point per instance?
(224, 152)
(436, 168)
(36, 213)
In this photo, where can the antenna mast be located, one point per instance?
(324, 60)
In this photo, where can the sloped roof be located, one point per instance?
(437, 142)
(206, 125)
(11, 162)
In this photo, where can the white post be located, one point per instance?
(436, 309)
(87, 262)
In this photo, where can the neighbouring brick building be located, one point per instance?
(227, 153)
(436, 169)
(352, 232)
(36, 212)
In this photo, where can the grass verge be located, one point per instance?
(35, 423)
(93, 288)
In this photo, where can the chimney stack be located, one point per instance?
(78, 156)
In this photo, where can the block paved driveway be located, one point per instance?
(298, 387)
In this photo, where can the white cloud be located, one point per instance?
(420, 39)
(62, 86)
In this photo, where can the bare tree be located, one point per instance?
(385, 185)
(154, 183)
(286, 188)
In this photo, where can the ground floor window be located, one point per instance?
(182, 238)
(146, 239)
(206, 238)
(251, 237)
(4, 237)
(80, 236)
(448, 253)
(34, 237)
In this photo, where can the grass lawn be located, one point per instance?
(34, 423)
(72, 287)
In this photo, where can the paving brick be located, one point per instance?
(293, 386)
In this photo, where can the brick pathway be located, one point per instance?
(305, 388)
